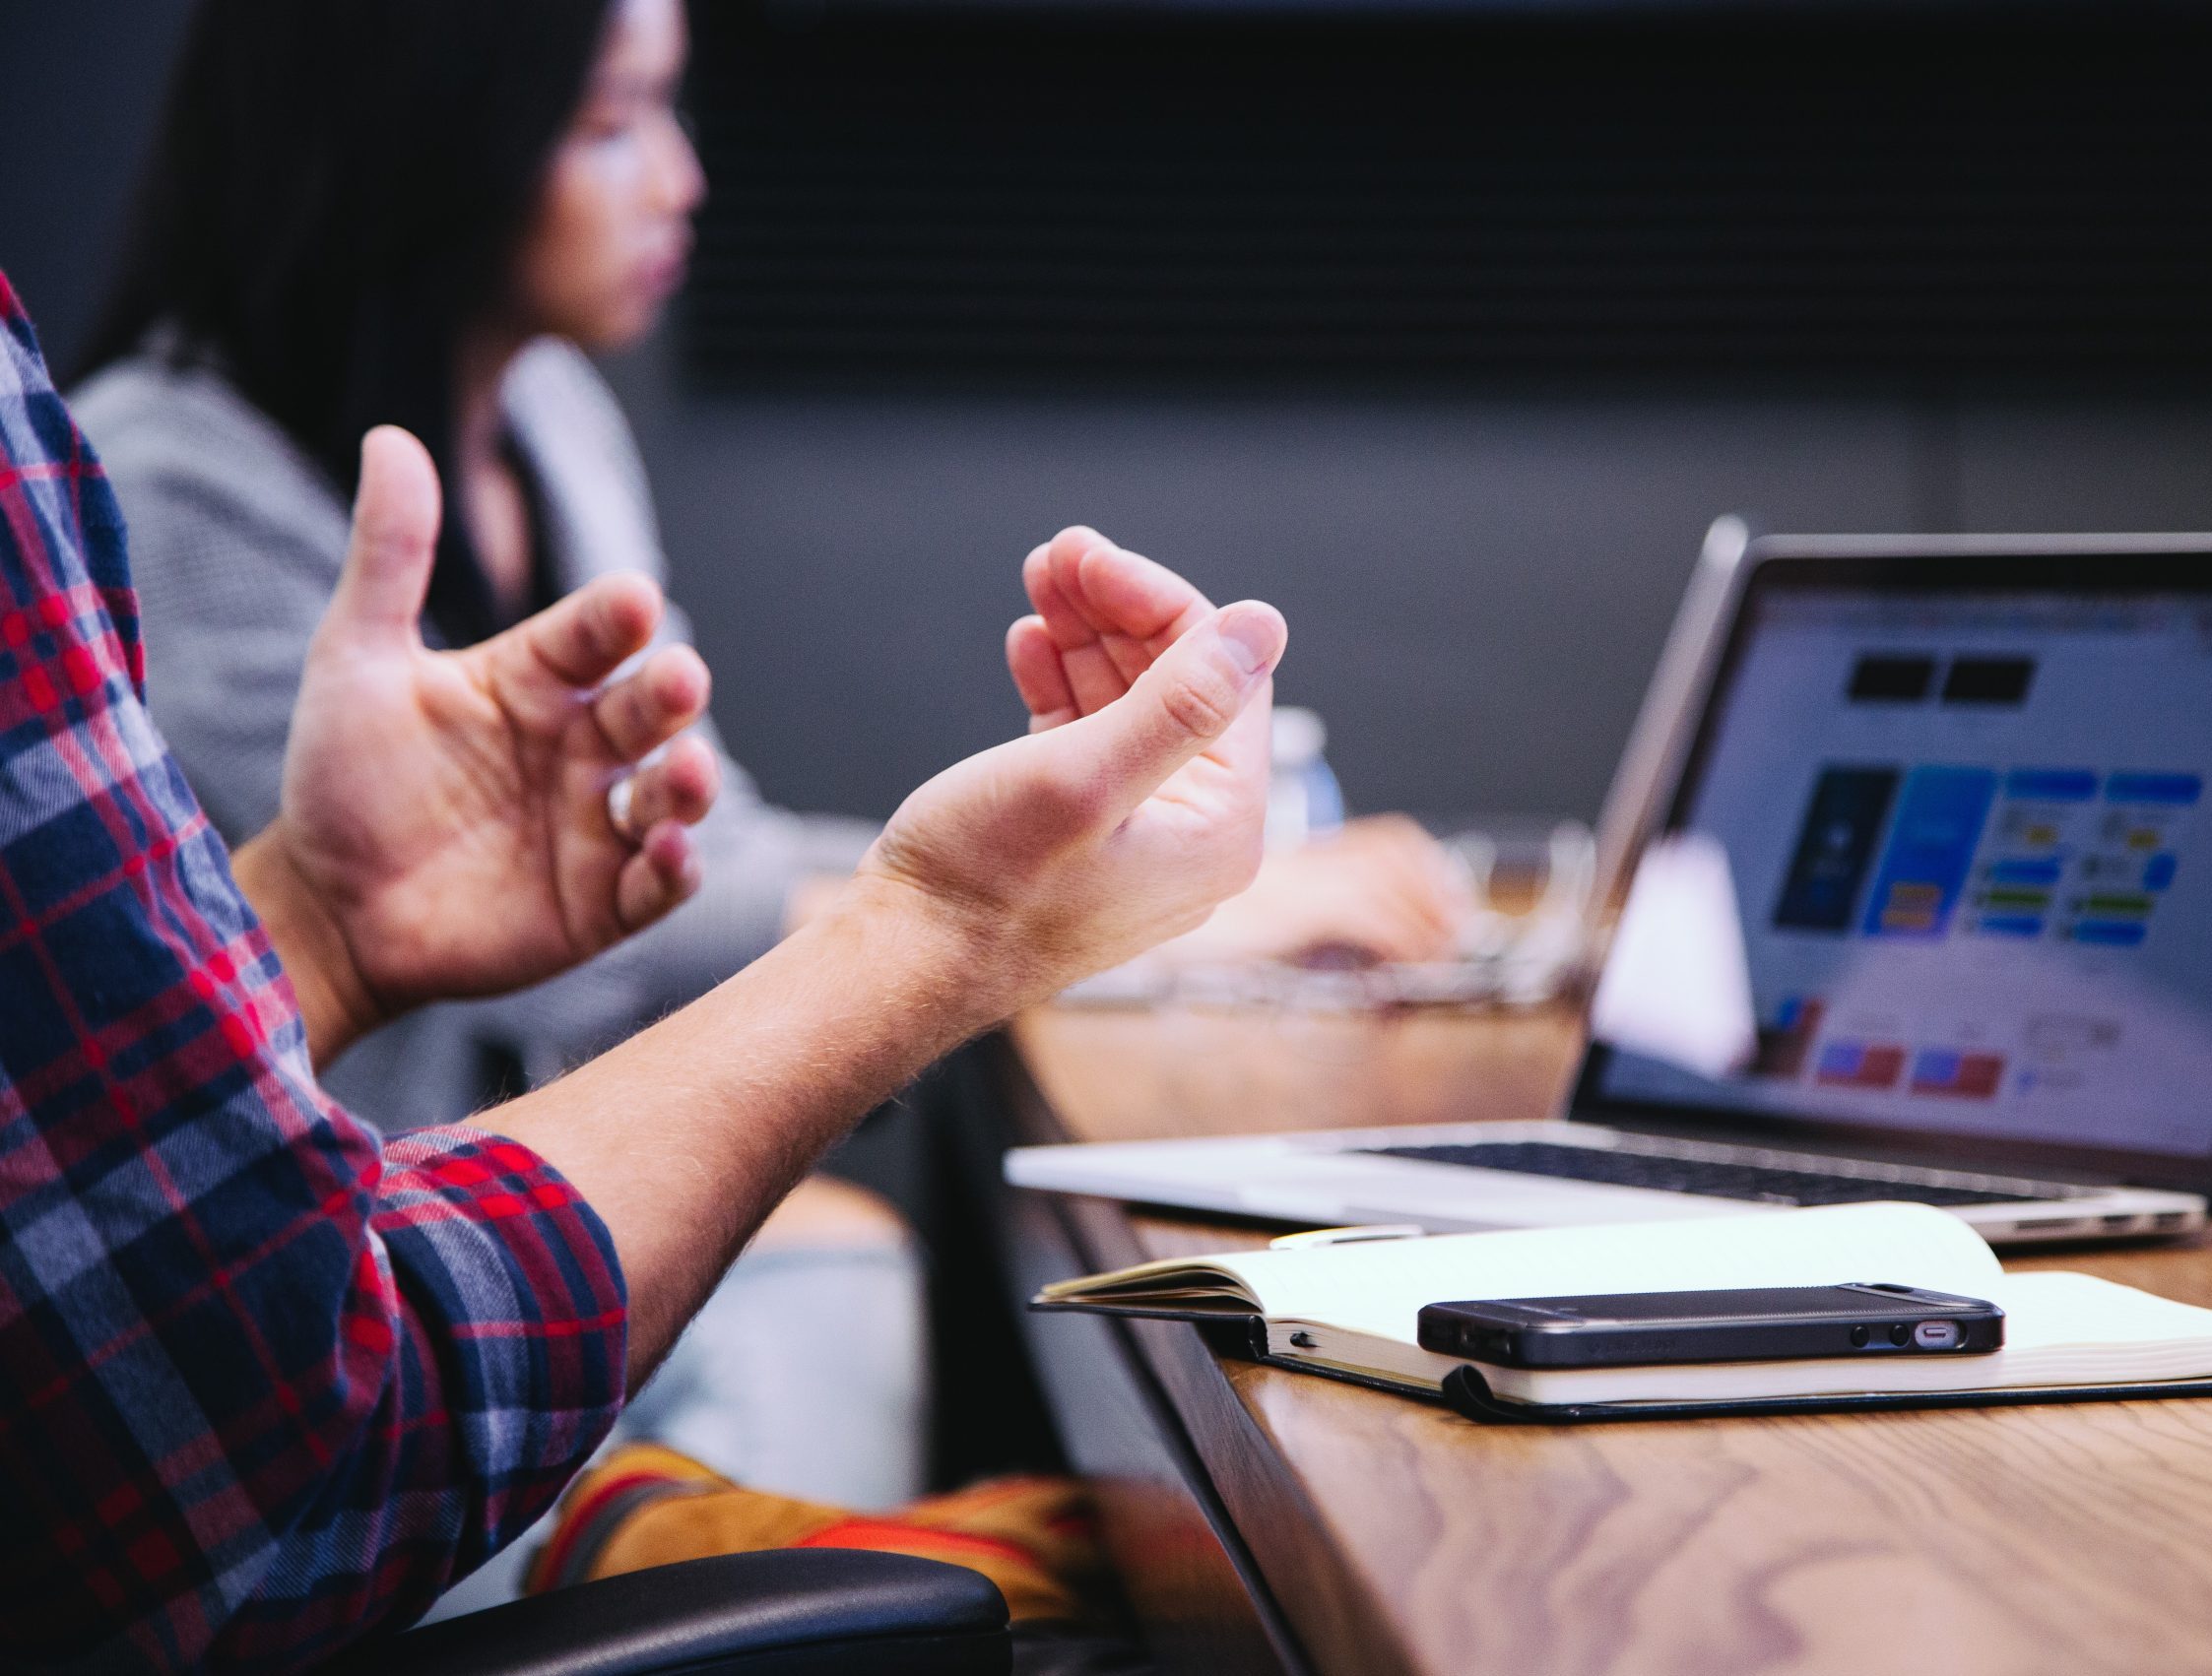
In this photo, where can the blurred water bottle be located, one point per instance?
(1304, 800)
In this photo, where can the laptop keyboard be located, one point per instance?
(1713, 1178)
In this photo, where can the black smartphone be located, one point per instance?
(1764, 1324)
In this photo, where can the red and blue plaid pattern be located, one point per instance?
(264, 1387)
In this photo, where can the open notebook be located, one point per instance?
(1349, 1310)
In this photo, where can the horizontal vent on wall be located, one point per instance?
(944, 199)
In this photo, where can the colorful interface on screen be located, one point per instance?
(1969, 849)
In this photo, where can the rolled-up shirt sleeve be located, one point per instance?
(266, 1386)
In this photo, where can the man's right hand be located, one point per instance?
(1135, 805)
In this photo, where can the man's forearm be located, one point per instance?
(685, 1138)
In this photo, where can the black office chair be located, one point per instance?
(791, 1612)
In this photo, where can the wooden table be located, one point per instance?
(1269, 1521)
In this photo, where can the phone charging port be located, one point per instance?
(1936, 1335)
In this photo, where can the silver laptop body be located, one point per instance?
(1949, 788)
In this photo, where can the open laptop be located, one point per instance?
(1953, 794)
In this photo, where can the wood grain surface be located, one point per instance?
(1395, 1536)
(1114, 1073)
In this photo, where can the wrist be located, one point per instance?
(956, 953)
(336, 1002)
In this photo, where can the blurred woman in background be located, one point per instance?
(424, 213)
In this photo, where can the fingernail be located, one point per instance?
(1253, 635)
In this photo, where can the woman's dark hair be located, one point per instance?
(335, 197)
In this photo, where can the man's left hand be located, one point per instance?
(447, 827)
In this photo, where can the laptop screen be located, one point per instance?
(1968, 853)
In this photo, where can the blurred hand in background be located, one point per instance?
(1379, 889)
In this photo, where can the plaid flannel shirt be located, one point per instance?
(264, 1385)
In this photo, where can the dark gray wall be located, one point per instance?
(83, 86)
(1477, 588)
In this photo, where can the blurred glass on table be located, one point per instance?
(1304, 799)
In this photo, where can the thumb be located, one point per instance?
(1186, 701)
(387, 575)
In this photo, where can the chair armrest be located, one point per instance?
(788, 1612)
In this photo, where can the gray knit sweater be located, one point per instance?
(235, 543)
